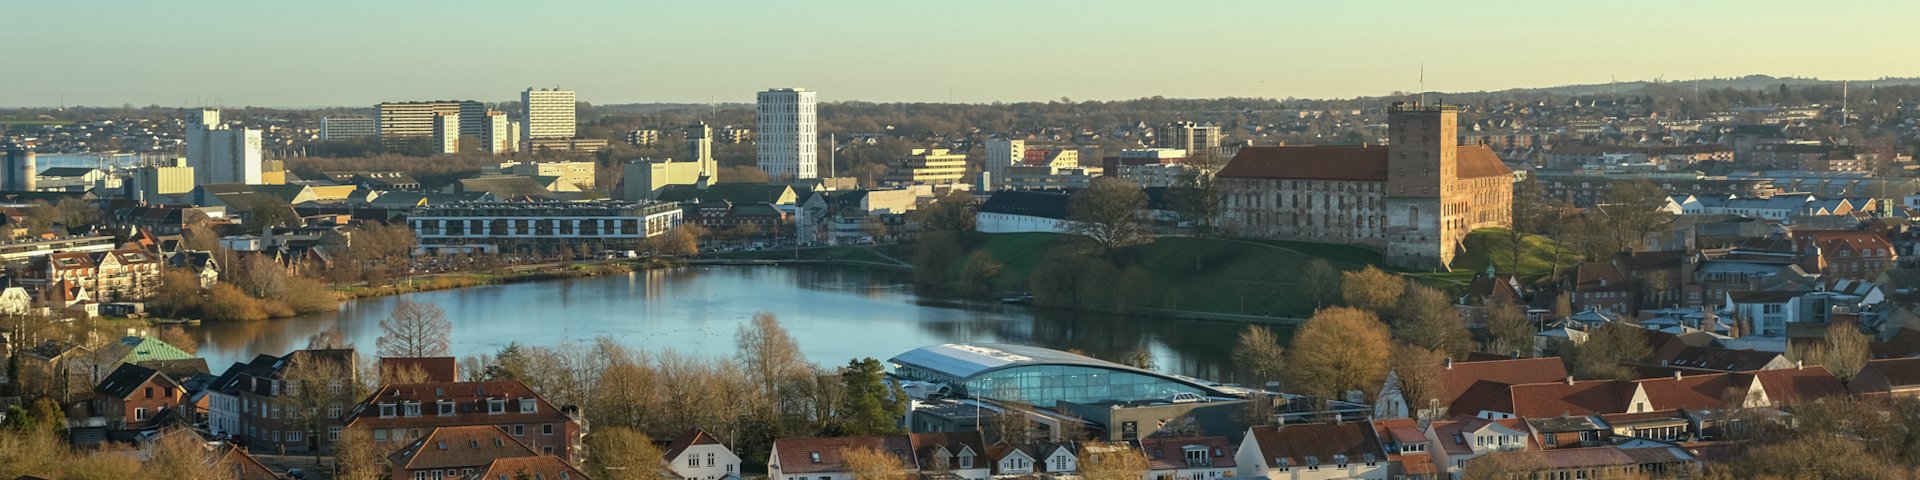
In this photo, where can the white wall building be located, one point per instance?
(549, 113)
(498, 135)
(696, 455)
(1003, 153)
(219, 154)
(446, 133)
(547, 227)
(787, 143)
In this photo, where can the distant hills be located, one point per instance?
(1749, 82)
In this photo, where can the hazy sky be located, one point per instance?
(354, 52)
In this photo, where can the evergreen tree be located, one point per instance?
(872, 406)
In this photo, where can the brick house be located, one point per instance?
(133, 395)
(251, 402)
(1848, 254)
(398, 414)
(455, 452)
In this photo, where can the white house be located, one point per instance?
(960, 454)
(1767, 313)
(1461, 441)
(1313, 451)
(696, 455)
(1020, 211)
(1189, 458)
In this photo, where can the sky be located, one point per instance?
(356, 53)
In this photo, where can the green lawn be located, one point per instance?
(1493, 245)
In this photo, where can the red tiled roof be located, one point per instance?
(1170, 453)
(470, 405)
(1886, 375)
(469, 446)
(1463, 375)
(545, 466)
(438, 369)
(1478, 161)
(796, 455)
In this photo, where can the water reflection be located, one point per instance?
(835, 315)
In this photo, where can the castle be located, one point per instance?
(1414, 200)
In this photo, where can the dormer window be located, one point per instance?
(1340, 460)
(966, 459)
(1197, 456)
(412, 409)
(386, 410)
(496, 406)
(814, 456)
(527, 405)
(1282, 463)
(446, 407)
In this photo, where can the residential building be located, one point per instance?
(1414, 200)
(400, 413)
(1046, 177)
(1457, 376)
(787, 140)
(581, 145)
(1188, 458)
(1052, 458)
(1847, 254)
(1457, 442)
(337, 129)
(1765, 388)
(543, 467)
(219, 154)
(498, 135)
(122, 274)
(252, 402)
(928, 166)
(1585, 188)
(548, 113)
(643, 137)
(959, 454)
(697, 455)
(1888, 377)
(1811, 157)
(132, 395)
(455, 452)
(1312, 451)
(16, 252)
(1015, 211)
(1664, 461)
(1194, 138)
(402, 122)
(446, 133)
(546, 227)
(1001, 154)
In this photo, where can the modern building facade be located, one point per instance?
(1194, 138)
(334, 129)
(400, 122)
(1415, 200)
(548, 112)
(169, 179)
(20, 170)
(1003, 153)
(540, 227)
(1038, 376)
(498, 136)
(219, 154)
(446, 133)
(645, 178)
(929, 166)
(787, 145)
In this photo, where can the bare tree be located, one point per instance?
(319, 391)
(1508, 329)
(1416, 375)
(357, 458)
(1111, 461)
(1259, 352)
(769, 355)
(621, 453)
(1108, 214)
(414, 330)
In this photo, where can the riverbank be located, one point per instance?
(521, 274)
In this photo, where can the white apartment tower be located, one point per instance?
(1003, 153)
(498, 135)
(446, 133)
(787, 136)
(548, 112)
(219, 154)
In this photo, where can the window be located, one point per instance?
(813, 456)
(519, 430)
(526, 405)
(709, 456)
(412, 409)
(296, 436)
(333, 411)
(333, 433)
(140, 413)
(547, 429)
(495, 405)
(446, 407)
(693, 462)
(386, 410)
(149, 392)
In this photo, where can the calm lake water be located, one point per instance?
(834, 314)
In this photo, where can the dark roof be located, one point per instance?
(1169, 453)
(67, 171)
(730, 192)
(924, 446)
(1722, 359)
(126, 379)
(505, 186)
(438, 369)
(1028, 203)
(1316, 443)
(688, 439)
(469, 446)
(1885, 375)
(796, 455)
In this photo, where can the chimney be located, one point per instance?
(1799, 364)
(1676, 375)
(1569, 380)
(1446, 363)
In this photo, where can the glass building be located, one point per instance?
(1038, 376)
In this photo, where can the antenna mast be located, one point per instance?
(1423, 83)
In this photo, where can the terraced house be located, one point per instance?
(399, 414)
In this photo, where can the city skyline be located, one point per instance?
(356, 53)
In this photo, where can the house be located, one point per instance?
(1845, 253)
(1765, 388)
(1713, 359)
(1569, 431)
(242, 465)
(696, 455)
(1409, 451)
(132, 395)
(1312, 451)
(823, 458)
(248, 402)
(1457, 377)
(1765, 313)
(960, 454)
(200, 262)
(399, 413)
(1049, 458)
(1603, 287)
(1017, 211)
(1665, 461)
(1459, 441)
(455, 452)
(542, 467)
(1892, 377)
(1187, 458)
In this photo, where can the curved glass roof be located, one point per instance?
(964, 361)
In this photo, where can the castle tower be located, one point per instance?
(1422, 165)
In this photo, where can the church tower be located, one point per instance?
(1422, 165)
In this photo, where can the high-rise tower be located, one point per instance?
(787, 141)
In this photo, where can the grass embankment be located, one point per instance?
(1484, 246)
(447, 281)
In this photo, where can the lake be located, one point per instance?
(834, 314)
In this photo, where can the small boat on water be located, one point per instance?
(1017, 299)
